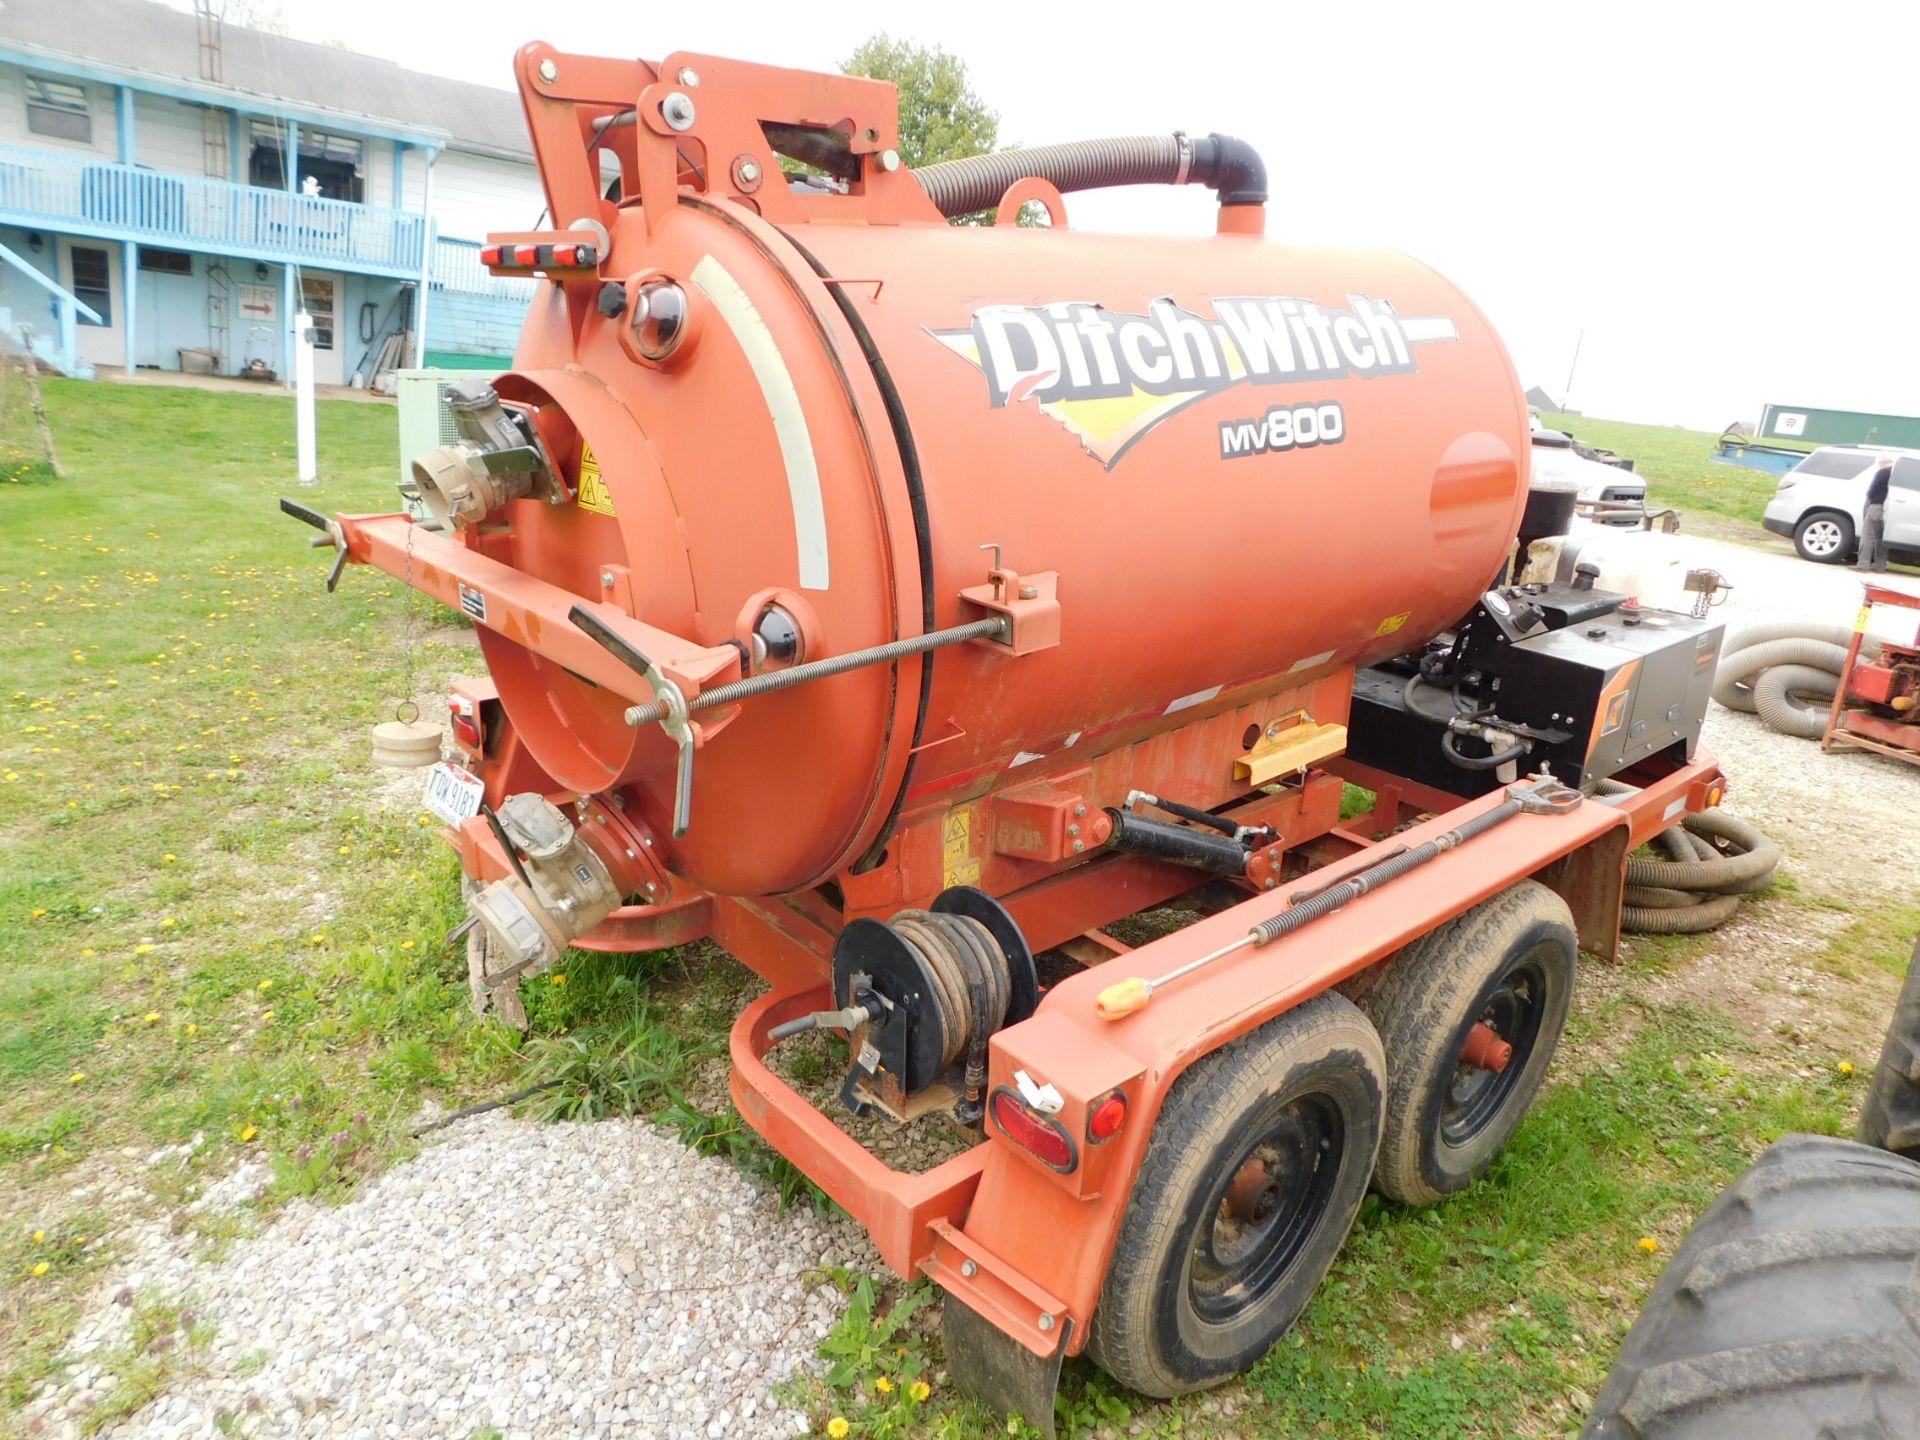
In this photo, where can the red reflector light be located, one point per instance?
(1033, 1132)
(1107, 1117)
(526, 254)
(490, 254)
(466, 722)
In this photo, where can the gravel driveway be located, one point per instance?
(601, 1280)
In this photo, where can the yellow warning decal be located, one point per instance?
(593, 490)
(958, 862)
(1860, 620)
(1386, 627)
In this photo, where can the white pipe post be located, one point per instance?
(303, 398)
(428, 243)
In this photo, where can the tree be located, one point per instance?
(940, 116)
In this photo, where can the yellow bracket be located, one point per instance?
(1287, 746)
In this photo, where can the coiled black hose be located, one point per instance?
(1698, 887)
(1231, 167)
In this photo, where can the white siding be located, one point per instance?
(474, 194)
(167, 135)
(13, 118)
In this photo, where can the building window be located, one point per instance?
(59, 108)
(316, 297)
(92, 284)
(166, 262)
(331, 162)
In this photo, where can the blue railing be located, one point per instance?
(456, 266)
(124, 202)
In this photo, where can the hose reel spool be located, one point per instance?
(923, 993)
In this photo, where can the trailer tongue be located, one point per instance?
(902, 604)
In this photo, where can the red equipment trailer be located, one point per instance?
(893, 601)
(1877, 703)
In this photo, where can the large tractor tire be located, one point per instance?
(1891, 1117)
(1469, 1015)
(1791, 1312)
(1251, 1181)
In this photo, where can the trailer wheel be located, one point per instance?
(1792, 1310)
(1469, 1014)
(1891, 1117)
(1250, 1183)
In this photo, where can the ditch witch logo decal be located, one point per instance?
(1111, 377)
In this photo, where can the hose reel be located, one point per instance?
(922, 994)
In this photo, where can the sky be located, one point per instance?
(1715, 202)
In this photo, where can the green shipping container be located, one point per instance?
(1838, 427)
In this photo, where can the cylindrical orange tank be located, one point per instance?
(1246, 461)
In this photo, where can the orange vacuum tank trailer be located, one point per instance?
(901, 603)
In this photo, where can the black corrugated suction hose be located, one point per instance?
(1714, 859)
(1232, 168)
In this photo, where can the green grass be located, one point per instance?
(216, 916)
(1677, 466)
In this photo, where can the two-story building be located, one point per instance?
(174, 190)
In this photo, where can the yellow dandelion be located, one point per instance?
(919, 1390)
(143, 949)
(168, 858)
(168, 923)
(559, 978)
(406, 944)
(883, 1385)
(266, 1015)
(87, 951)
(1845, 1067)
(192, 1029)
(424, 819)
(837, 1427)
(38, 913)
(39, 1237)
(316, 939)
(43, 1267)
(152, 1017)
(76, 1077)
(265, 985)
(1649, 1244)
(248, 1133)
(346, 850)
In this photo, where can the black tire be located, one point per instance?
(1792, 1311)
(1196, 1294)
(1824, 537)
(1508, 962)
(1891, 1117)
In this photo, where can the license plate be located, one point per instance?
(453, 794)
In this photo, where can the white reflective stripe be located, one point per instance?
(1026, 757)
(1199, 697)
(789, 420)
(1310, 661)
(1674, 809)
(1421, 328)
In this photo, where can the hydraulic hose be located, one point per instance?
(1230, 167)
(1450, 742)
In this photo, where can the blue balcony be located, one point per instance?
(123, 202)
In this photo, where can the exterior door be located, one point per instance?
(1903, 505)
(320, 298)
(91, 270)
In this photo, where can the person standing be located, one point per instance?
(1873, 524)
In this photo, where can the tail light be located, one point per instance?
(467, 730)
(1039, 1135)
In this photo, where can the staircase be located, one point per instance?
(57, 351)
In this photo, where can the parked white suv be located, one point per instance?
(1820, 501)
